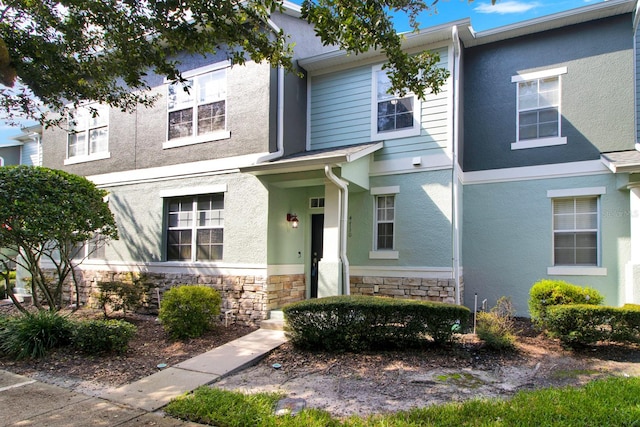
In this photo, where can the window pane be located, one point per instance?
(212, 87)
(178, 98)
(180, 124)
(179, 245)
(77, 144)
(383, 85)
(209, 244)
(98, 118)
(98, 140)
(211, 117)
(385, 236)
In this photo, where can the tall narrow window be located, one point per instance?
(197, 107)
(195, 228)
(392, 116)
(88, 132)
(575, 231)
(385, 222)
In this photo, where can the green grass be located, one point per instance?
(610, 402)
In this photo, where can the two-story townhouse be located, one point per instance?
(185, 213)
(375, 192)
(545, 101)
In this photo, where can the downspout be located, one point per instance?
(279, 113)
(344, 212)
(455, 235)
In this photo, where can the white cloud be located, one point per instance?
(507, 7)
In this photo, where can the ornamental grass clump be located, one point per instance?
(32, 335)
(188, 311)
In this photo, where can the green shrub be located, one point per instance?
(32, 335)
(496, 327)
(189, 311)
(359, 323)
(547, 293)
(102, 336)
(120, 296)
(577, 325)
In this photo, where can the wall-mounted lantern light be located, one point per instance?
(293, 219)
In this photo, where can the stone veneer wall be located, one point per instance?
(284, 289)
(442, 290)
(245, 296)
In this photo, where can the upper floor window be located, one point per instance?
(197, 109)
(538, 109)
(88, 137)
(392, 116)
(195, 228)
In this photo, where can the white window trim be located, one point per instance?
(383, 253)
(88, 157)
(579, 270)
(194, 191)
(198, 139)
(379, 136)
(539, 142)
(1, 161)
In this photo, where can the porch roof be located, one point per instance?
(314, 160)
(622, 161)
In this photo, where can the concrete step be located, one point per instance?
(272, 324)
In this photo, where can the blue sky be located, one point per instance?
(483, 16)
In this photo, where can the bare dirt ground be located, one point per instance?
(347, 383)
(361, 384)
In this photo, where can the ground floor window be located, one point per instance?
(195, 228)
(575, 231)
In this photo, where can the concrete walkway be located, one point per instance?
(153, 392)
(25, 402)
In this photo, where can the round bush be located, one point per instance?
(188, 311)
(102, 336)
(547, 293)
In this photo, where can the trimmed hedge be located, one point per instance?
(102, 336)
(547, 293)
(586, 324)
(358, 323)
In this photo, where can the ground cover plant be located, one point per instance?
(611, 402)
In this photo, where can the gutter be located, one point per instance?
(344, 211)
(455, 225)
(280, 113)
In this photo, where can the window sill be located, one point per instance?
(537, 143)
(384, 255)
(395, 134)
(577, 271)
(89, 158)
(181, 142)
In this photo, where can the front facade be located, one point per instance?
(185, 213)
(542, 102)
(274, 188)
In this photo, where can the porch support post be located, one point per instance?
(632, 279)
(330, 267)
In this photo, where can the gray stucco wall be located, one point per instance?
(597, 94)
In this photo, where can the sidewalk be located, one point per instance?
(25, 402)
